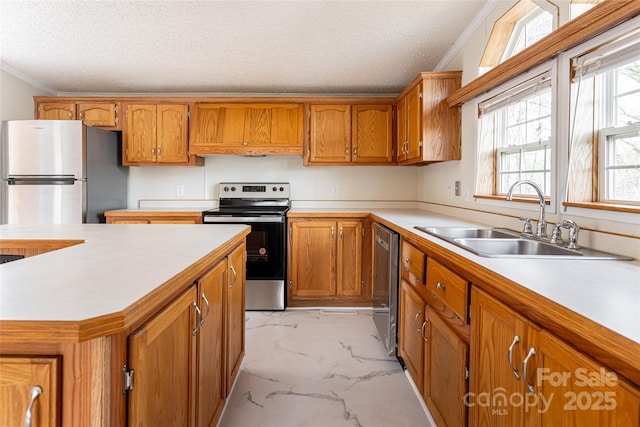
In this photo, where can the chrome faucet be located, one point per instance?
(541, 228)
(574, 229)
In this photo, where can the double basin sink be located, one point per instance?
(505, 243)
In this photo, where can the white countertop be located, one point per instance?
(115, 267)
(607, 292)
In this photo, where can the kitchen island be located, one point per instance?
(83, 312)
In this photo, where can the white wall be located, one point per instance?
(16, 97)
(308, 184)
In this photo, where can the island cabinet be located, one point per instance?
(183, 361)
(103, 114)
(30, 389)
(521, 374)
(156, 134)
(427, 129)
(328, 261)
(433, 339)
(246, 128)
(350, 134)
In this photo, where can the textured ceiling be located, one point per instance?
(229, 46)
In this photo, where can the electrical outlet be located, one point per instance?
(335, 190)
(450, 192)
(457, 186)
(467, 194)
(179, 190)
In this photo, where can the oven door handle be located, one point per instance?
(242, 219)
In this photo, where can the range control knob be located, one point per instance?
(233, 188)
(275, 188)
(281, 188)
(226, 189)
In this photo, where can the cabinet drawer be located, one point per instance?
(446, 286)
(412, 261)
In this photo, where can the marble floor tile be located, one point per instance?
(319, 368)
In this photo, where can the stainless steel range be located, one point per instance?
(263, 206)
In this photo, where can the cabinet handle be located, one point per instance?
(206, 301)
(340, 232)
(415, 320)
(81, 114)
(439, 286)
(333, 233)
(35, 392)
(235, 276)
(424, 324)
(245, 142)
(199, 319)
(153, 151)
(516, 340)
(159, 147)
(355, 151)
(532, 352)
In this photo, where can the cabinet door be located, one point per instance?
(103, 114)
(56, 111)
(414, 123)
(410, 336)
(172, 140)
(401, 130)
(577, 390)
(162, 354)
(18, 378)
(349, 258)
(141, 133)
(497, 332)
(372, 139)
(235, 300)
(216, 125)
(211, 369)
(445, 372)
(330, 134)
(313, 258)
(274, 126)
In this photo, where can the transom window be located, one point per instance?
(529, 30)
(515, 138)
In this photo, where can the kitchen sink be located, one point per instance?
(505, 243)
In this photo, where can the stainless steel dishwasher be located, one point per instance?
(385, 285)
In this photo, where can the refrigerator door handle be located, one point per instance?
(41, 180)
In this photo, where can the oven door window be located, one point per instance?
(265, 251)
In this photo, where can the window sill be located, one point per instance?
(522, 199)
(604, 206)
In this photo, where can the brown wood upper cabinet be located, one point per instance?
(156, 134)
(345, 134)
(102, 114)
(428, 130)
(246, 129)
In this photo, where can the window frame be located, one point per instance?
(527, 202)
(591, 206)
(602, 166)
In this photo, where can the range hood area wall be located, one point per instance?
(308, 184)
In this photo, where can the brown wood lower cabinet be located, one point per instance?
(30, 384)
(186, 359)
(329, 261)
(522, 374)
(148, 217)
(163, 357)
(410, 338)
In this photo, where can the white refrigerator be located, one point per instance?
(59, 172)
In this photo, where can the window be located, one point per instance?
(516, 137)
(529, 30)
(521, 26)
(605, 136)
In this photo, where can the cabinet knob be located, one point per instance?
(245, 142)
(439, 286)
